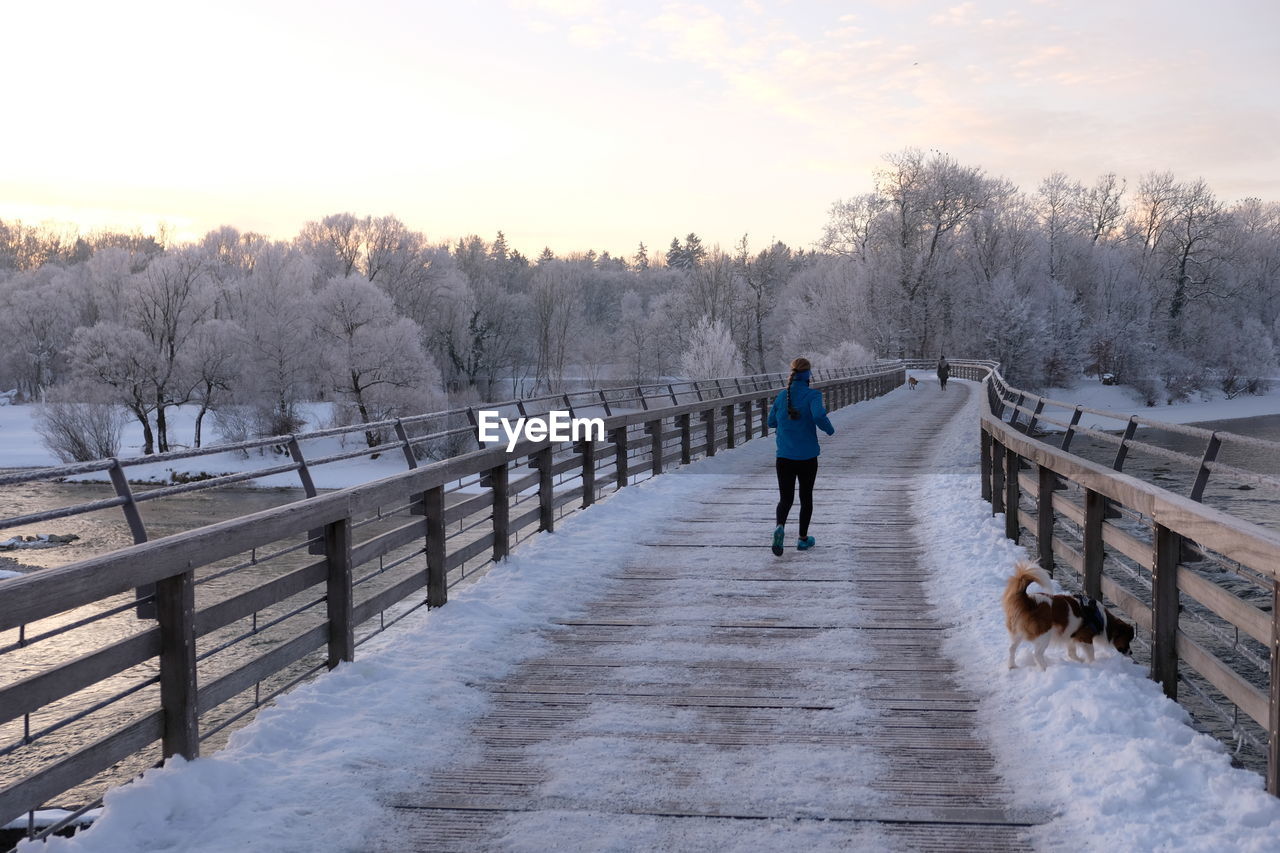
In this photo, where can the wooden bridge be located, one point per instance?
(834, 662)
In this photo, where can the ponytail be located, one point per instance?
(798, 365)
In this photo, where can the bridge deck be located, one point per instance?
(719, 696)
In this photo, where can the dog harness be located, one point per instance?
(1092, 614)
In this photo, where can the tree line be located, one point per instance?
(1159, 283)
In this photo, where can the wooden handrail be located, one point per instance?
(1176, 521)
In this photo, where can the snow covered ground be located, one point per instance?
(1099, 746)
(1212, 406)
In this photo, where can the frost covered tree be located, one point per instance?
(557, 289)
(372, 358)
(710, 352)
(122, 359)
(272, 307)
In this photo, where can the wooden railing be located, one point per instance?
(92, 695)
(1178, 569)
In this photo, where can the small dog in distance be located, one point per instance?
(1041, 617)
(912, 382)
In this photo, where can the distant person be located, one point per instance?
(944, 371)
(796, 415)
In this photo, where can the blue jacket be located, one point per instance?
(798, 439)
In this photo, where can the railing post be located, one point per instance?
(1017, 410)
(1035, 416)
(620, 461)
(543, 461)
(403, 437)
(1164, 610)
(1044, 518)
(496, 478)
(747, 426)
(1094, 510)
(437, 575)
(709, 416)
(686, 439)
(997, 476)
(604, 401)
(1071, 429)
(1012, 525)
(654, 430)
(1273, 716)
(1202, 476)
(586, 450)
(764, 416)
(730, 429)
(1123, 450)
(175, 616)
(984, 464)
(338, 597)
(145, 609)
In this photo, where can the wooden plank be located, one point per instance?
(381, 545)
(175, 619)
(1232, 608)
(1273, 712)
(1094, 508)
(437, 547)
(51, 591)
(1164, 610)
(1133, 548)
(1247, 543)
(274, 591)
(547, 484)
(466, 552)
(1073, 558)
(1248, 698)
(1068, 508)
(85, 763)
(385, 598)
(470, 506)
(241, 679)
(527, 518)
(338, 593)
(43, 688)
(574, 494)
(1133, 607)
(1046, 480)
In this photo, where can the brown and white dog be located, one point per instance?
(1042, 617)
(912, 382)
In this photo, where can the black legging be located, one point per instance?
(790, 470)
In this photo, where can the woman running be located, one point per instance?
(794, 415)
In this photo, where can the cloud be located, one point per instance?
(957, 16)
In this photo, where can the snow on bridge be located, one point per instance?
(651, 676)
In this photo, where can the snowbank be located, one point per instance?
(1098, 744)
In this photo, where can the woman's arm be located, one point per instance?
(819, 413)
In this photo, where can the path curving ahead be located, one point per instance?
(717, 697)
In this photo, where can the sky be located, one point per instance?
(596, 124)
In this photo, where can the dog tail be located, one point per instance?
(1016, 600)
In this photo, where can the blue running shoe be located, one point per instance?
(806, 543)
(777, 540)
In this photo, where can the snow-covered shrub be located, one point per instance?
(1182, 377)
(1248, 358)
(711, 352)
(77, 428)
(257, 420)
